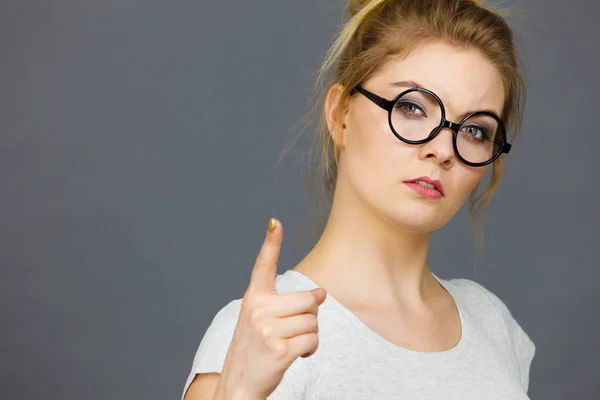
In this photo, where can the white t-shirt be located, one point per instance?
(491, 360)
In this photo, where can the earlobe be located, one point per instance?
(335, 115)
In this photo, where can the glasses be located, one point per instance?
(417, 115)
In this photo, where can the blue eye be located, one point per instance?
(409, 109)
(476, 133)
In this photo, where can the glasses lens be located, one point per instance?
(480, 138)
(416, 115)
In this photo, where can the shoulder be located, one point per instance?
(476, 297)
(220, 330)
(212, 351)
(480, 300)
(492, 315)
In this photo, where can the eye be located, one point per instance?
(476, 133)
(410, 109)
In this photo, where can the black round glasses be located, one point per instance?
(417, 115)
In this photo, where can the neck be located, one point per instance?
(380, 262)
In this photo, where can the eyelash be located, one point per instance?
(401, 107)
(484, 132)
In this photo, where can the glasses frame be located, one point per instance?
(388, 105)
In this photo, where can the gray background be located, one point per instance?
(137, 168)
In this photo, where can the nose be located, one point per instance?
(440, 149)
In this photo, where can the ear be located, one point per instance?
(335, 114)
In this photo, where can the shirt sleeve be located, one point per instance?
(213, 348)
(210, 356)
(521, 345)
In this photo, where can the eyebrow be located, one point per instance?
(407, 84)
(413, 84)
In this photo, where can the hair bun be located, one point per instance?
(357, 5)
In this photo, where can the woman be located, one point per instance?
(422, 97)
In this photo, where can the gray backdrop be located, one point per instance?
(137, 168)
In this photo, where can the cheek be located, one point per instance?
(372, 149)
(467, 179)
(368, 156)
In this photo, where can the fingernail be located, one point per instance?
(272, 225)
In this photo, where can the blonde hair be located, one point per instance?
(380, 29)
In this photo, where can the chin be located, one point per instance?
(421, 218)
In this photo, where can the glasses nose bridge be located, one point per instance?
(453, 126)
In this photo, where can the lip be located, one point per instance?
(436, 194)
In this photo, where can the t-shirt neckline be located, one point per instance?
(376, 339)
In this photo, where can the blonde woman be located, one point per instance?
(423, 99)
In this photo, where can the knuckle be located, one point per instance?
(256, 317)
(278, 348)
(260, 256)
(266, 332)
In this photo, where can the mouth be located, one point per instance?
(427, 187)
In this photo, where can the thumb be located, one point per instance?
(320, 295)
(265, 268)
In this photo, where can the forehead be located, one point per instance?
(463, 78)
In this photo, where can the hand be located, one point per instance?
(272, 330)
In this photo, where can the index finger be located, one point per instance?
(264, 272)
